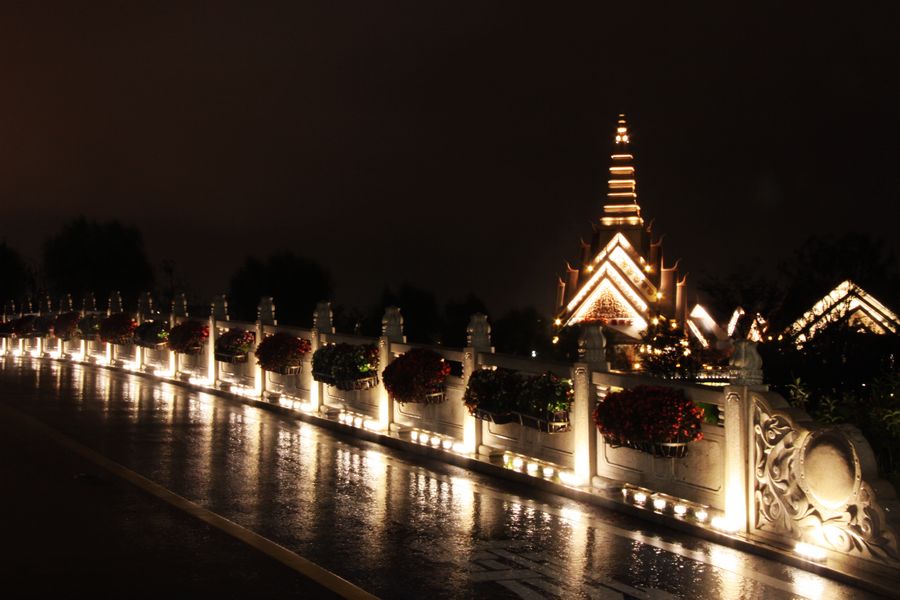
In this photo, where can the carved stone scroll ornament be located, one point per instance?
(809, 485)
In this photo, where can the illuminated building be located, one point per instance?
(847, 303)
(622, 279)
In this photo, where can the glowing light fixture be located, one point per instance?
(810, 551)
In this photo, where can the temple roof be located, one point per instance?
(850, 303)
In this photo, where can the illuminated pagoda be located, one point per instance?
(622, 280)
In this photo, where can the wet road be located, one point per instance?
(383, 519)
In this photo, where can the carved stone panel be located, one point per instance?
(809, 485)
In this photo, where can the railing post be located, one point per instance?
(322, 321)
(746, 376)
(265, 315)
(478, 339)
(592, 357)
(179, 309)
(211, 365)
(391, 332)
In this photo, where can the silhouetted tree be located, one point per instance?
(523, 331)
(748, 287)
(89, 256)
(295, 283)
(421, 317)
(456, 319)
(16, 280)
(822, 262)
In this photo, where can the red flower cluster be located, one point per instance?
(236, 342)
(280, 351)
(66, 325)
(188, 336)
(24, 326)
(416, 374)
(117, 329)
(649, 414)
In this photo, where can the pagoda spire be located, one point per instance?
(621, 207)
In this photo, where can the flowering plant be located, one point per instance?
(24, 326)
(151, 334)
(341, 363)
(648, 415)
(188, 336)
(88, 326)
(66, 324)
(322, 362)
(280, 351)
(117, 329)
(416, 375)
(493, 391)
(43, 325)
(545, 396)
(235, 342)
(6, 329)
(354, 362)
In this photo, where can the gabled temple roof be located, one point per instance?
(617, 285)
(847, 302)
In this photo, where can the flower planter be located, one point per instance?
(496, 418)
(436, 397)
(287, 370)
(325, 378)
(658, 449)
(150, 345)
(231, 358)
(193, 351)
(363, 383)
(557, 423)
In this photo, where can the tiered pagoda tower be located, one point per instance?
(621, 281)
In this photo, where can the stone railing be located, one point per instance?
(764, 473)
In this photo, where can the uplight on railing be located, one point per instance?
(569, 478)
(811, 552)
(725, 524)
(659, 504)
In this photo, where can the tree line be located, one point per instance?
(102, 257)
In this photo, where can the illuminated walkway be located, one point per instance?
(382, 519)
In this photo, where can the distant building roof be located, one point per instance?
(846, 303)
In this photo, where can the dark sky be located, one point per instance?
(462, 146)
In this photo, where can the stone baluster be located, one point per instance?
(391, 332)
(478, 340)
(265, 315)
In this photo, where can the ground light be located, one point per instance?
(810, 552)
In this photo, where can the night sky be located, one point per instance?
(460, 146)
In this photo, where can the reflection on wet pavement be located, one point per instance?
(383, 519)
